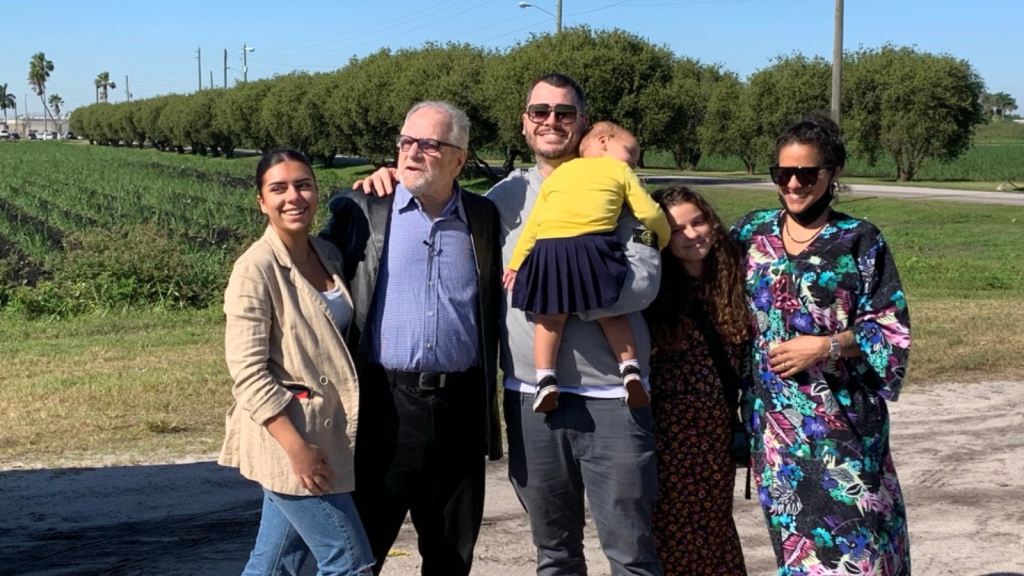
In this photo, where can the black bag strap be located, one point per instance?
(726, 372)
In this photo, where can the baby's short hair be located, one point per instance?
(603, 128)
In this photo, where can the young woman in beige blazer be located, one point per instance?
(292, 427)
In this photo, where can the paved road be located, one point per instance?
(862, 190)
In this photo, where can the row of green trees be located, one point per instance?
(899, 101)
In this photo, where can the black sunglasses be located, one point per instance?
(564, 113)
(805, 175)
(426, 145)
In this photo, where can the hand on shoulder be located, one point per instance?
(381, 183)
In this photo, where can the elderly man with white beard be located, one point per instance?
(424, 269)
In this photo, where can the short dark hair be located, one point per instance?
(816, 130)
(559, 80)
(274, 157)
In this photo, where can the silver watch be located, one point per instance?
(835, 350)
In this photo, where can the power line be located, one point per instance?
(387, 26)
(396, 33)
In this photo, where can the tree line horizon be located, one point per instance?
(898, 101)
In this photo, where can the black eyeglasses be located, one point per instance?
(426, 145)
(805, 175)
(564, 113)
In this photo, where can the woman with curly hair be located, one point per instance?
(700, 329)
(830, 350)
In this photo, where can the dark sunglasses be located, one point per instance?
(564, 113)
(805, 175)
(426, 145)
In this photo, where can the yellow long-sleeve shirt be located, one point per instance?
(585, 196)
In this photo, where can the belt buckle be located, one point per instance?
(426, 378)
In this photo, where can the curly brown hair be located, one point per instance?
(720, 288)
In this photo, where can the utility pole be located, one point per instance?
(245, 61)
(837, 62)
(199, 58)
(558, 17)
(127, 93)
(211, 79)
(225, 68)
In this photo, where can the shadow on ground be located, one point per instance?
(197, 518)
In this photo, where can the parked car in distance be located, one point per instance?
(49, 136)
(15, 136)
(32, 135)
(69, 135)
(4, 134)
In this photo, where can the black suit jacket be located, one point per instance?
(358, 226)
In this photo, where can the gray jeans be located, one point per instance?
(586, 444)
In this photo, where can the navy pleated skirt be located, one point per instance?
(571, 275)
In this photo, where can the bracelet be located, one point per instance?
(835, 350)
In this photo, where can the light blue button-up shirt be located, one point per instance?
(425, 304)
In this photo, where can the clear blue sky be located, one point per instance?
(154, 43)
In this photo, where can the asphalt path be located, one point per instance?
(1008, 198)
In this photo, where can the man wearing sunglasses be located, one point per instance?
(424, 269)
(592, 443)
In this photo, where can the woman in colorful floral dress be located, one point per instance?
(831, 343)
(702, 276)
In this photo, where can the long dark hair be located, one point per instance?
(720, 288)
(274, 157)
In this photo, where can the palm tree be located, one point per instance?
(1004, 104)
(55, 103)
(7, 101)
(102, 83)
(39, 69)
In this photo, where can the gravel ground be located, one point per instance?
(959, 450)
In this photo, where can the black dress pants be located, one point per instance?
(421, 452)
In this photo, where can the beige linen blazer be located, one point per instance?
(279, 333)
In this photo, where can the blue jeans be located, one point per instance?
(596, 446)
(292, 526)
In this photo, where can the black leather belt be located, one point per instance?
(428, 381)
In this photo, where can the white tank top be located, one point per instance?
(339, 307)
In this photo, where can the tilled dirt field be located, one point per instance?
(959, 451)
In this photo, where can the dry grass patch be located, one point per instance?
(153, 386)
(966, 340)
(137, 385)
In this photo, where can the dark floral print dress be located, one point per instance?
(823, 469)
(693, 524)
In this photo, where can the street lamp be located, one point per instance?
(245, 65)
(557, 15)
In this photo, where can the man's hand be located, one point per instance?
(382, 182)
(509, 279)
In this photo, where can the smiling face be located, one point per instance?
(429, 175)
(550, 139)
(797, 196)
(288, 196)
(692, 236)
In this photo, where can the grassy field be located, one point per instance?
(996, 157)
(150, 383)
(73, 217)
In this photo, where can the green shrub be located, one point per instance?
(143, 267)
